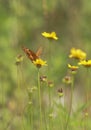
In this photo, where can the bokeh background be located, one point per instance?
(21, 24)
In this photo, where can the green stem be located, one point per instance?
(30, 117)
(49, 88)
(2, 99)
(30, 111)
(39, 93)
(19, 83)
(49, 98)
(49, 107)
(87, 89)
(68, 118)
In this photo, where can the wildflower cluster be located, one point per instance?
(64, 93)
(81, 56)
(82, 60)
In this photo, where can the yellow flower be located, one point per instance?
(39, 63)
(77, 54)
(86, 63)
(51, 35)
(73, 68)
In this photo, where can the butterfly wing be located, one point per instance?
(31, 55)
(39, 51)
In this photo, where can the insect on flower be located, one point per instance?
(32, 55)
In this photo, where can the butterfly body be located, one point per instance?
(32, 55)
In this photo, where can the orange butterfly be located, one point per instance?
(32, 55)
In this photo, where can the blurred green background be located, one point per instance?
(21, 24)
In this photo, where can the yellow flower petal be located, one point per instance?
(51, 35)
(77, 54)
(39, 63)
(72, 67)
(86, 63)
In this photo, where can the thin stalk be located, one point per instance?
(49, 97)
(87, 90)
(50, 58)
(30, 110)
(87, 111)
(2, 99)
(44, 114)
(45, 119)
(39, 93)
(60, 121)
(19, 83)
(49, 107)
(49, 74)
(32, 118)
(69, 114)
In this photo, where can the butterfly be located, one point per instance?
(32, 55)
